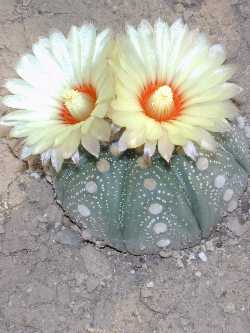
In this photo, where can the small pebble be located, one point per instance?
(202, 163)
(150, 184)
(203, 257)
(198, 274)
(150, 284)
(219, 181)
(103, 165)
(160, 228)
(155, 208)
(233, 204)
(210, 246)
(228, 194)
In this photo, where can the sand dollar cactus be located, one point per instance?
(140, 208)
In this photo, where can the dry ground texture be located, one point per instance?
(53, 282)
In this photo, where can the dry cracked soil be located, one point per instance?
(53, 282)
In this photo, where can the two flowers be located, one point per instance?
(165, 85)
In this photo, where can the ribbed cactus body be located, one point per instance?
(143, 209)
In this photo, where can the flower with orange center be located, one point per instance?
(171, 89)
(63, 95)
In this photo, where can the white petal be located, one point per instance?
(91, 144)
(149, 149)
(165, 147)
(190, 150)
(57, 159)
(76, 157)
(100, 129)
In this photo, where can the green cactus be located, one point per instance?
(140, 209)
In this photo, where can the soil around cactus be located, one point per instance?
(132, 207)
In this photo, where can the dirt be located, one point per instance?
(51, 281)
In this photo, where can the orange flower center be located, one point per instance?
(77, 105)
(162, 102)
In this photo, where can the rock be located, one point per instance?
(2, 231)
(198, 274)
(68, 237)
(247, 131)
(202, 255)
(236, 227)
(96, 263)
(229, 308)
(210, 245)
(150, 284)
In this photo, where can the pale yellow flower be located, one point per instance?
(171, 89)
(63, 95)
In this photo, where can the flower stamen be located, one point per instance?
(77, 104)
(161, 102)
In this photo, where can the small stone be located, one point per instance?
(83, 210)
(160, 228)
(219, 181)
(68, 237)
(91, 187)
(103, 165)
(2, 231)
(228, 194)
(247, 131)
(202, 163)
(155, 208)
(229, 308)
(150, 184)
(233, 204)
(210, 246)
(146, 292)
(198, 274)
(150, 284)
(236, 227)
(202, 255)
(35, 175)
(163, 243)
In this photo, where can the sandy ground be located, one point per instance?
(51, 281)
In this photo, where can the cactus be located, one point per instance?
(142, 208)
